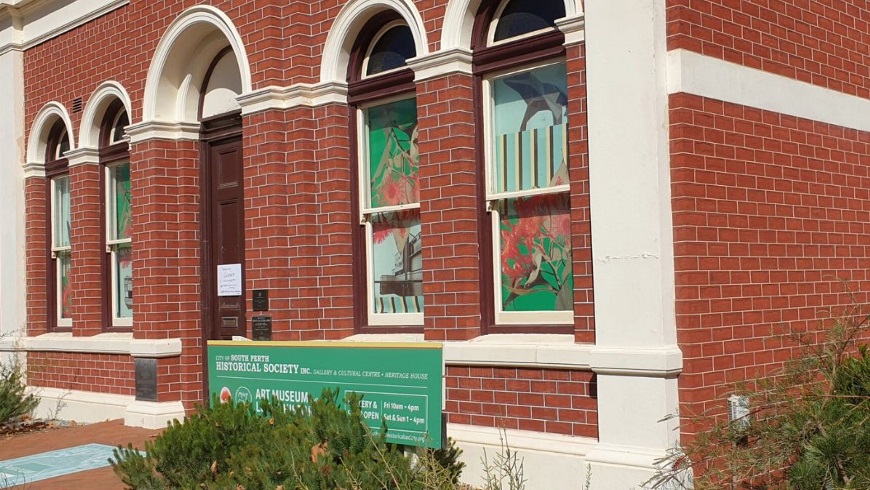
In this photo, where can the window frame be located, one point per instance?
(364, 92)
(380, 33)
(56, 168)
(494, 199)
(113, 153)
(492, 60)
(492, 25)
(367, 212)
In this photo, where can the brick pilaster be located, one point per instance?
(86, 274)
(449, 205)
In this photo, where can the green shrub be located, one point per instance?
(14, 402)
(809, 426)
(835, 431)
(320, 447)
(448, 458)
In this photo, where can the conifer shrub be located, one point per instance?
(14, 401)
(808, 427)
(323, 446)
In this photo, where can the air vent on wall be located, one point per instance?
(77, 104)
(738, 410)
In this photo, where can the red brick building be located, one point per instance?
(603, 210)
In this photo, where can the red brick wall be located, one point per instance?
(770, 213)
(101, 373)
(450, 227)
(36, 197)
(269, 230)
(334, 220)
(298, 206)
(181, 378)
(823, 43)
(543, 400)
(85, 271)
(164, 182)
(298, 219)
(120, 46)
(578, 168)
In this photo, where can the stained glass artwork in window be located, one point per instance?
(119, 239)
(64, 263)
(535, 254)
(530, 136)
(524, 16)
(393, 160)
(397, 262)
(393, 154)
(61, 213)
(391, 50)
(120, 179)
(123, 282)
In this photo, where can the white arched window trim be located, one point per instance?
(346, 28)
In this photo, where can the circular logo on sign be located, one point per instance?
(225, 395)
(243, 395)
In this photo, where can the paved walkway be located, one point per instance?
(112, 433)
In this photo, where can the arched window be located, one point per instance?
(384, 114)
(60, 248)
(519, 58)
(117, 217)
(520, 18)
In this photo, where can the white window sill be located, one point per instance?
(513, 350)
(120, 343)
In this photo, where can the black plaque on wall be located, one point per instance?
(146, 379)
(261, 300)
(261, 327)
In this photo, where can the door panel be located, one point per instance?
(227, 234)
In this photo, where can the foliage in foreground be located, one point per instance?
(808, 428)
(14, 402)
(231, 446)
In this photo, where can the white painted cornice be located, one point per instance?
(20, 7)
(33, 169)
(150, 130)
(574, 29)
(81, 156)
(36, 21)
(440, 63)
(303, 94)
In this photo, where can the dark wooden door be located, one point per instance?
(226, 243)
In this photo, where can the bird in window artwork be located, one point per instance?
(538, 96)
(531, 152)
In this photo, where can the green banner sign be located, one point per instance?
(400, 382)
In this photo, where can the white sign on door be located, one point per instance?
(229, 281)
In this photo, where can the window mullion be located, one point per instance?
(368, 212)
(557, 189)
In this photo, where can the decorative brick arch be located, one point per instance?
(181, 60)
(105, 94)
(346, 28)
(39, 131)
(459, 21)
